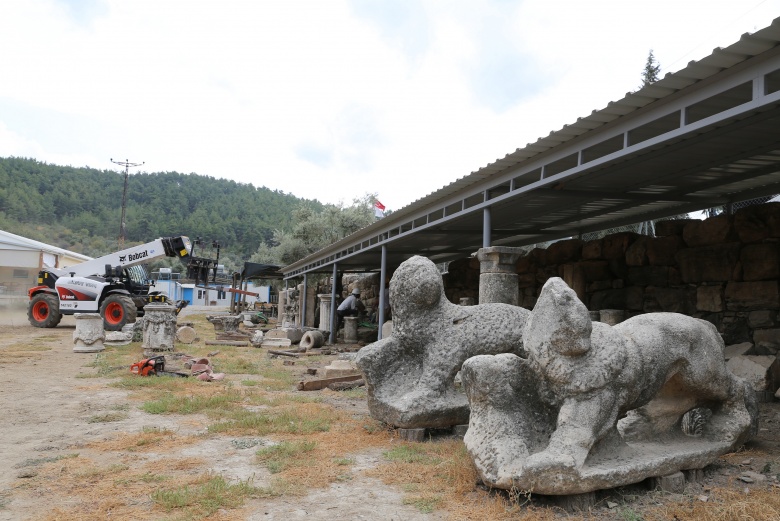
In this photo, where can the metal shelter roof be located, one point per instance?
(704, 136)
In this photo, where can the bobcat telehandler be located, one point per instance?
(115, 285)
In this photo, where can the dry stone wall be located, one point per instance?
(724, 269)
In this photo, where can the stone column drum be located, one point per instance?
(325, 299)
(159, 328)
(498, 281)
(350, 329)
(89, 334)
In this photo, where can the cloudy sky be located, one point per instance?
(330, 99)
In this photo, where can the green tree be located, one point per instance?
(652, 71)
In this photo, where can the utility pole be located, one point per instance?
(122, 228)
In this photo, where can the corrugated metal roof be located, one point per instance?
(10, 241)
(672, 84)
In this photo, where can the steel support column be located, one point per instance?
(486, 226)
(303, 299)
(382, 290)
(333, 319)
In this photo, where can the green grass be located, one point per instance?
(217, 404)
(409, 453)
(238, 365)
(275, 376)
(205, 499)
(273, 422)
(279, 457)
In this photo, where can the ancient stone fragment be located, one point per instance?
(593, 406)
(410, 374)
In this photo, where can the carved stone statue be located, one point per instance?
(594, 406)
(410, 374)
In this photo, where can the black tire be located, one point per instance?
(44, 310)
(117, 310)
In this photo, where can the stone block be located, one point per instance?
(657, 276)
(715, 230)
(636, 253)
(561, 252)
(671, 227)
(460, 430)
(762, 372)
(592, 249)
(694, 475)
(743, 348)
(635, 298)
(674, 300)
(748, 296)
(762, 318)
(599, 285)
(709, 263)
(758, 222)
(618, 268)
(293, 334)
(661, 251)
(595, 270)
(413, 435)
(576, 502)
(760, 261)
(339, 368)
(767, 338)
(734, 329)
(710, 298)
(672, 483)
(608, 299)
(525, 264)
(614, 246)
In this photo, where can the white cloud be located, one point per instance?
(330, 100)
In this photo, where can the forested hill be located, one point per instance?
(79, 208)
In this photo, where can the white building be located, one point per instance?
(21, 259)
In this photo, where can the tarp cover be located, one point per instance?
(253, 270)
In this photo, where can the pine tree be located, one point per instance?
(652, 70)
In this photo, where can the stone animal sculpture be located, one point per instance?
(595, 406)
(410, 375)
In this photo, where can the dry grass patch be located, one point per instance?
(160, 439)
(441, 476)
(163, 489)
(723, 505)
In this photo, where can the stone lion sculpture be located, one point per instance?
(410, 375)
(594, 406)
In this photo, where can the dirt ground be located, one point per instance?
(48, 402)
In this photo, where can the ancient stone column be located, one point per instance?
(299, 312)
(498, 281)
(280, 311)
(159, 329)
(89, 334)
(325, 299)
(350, 330)
(311, 299)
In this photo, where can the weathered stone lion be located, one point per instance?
(597, 396)
(410, 376)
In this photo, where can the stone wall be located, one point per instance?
(724, 269)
